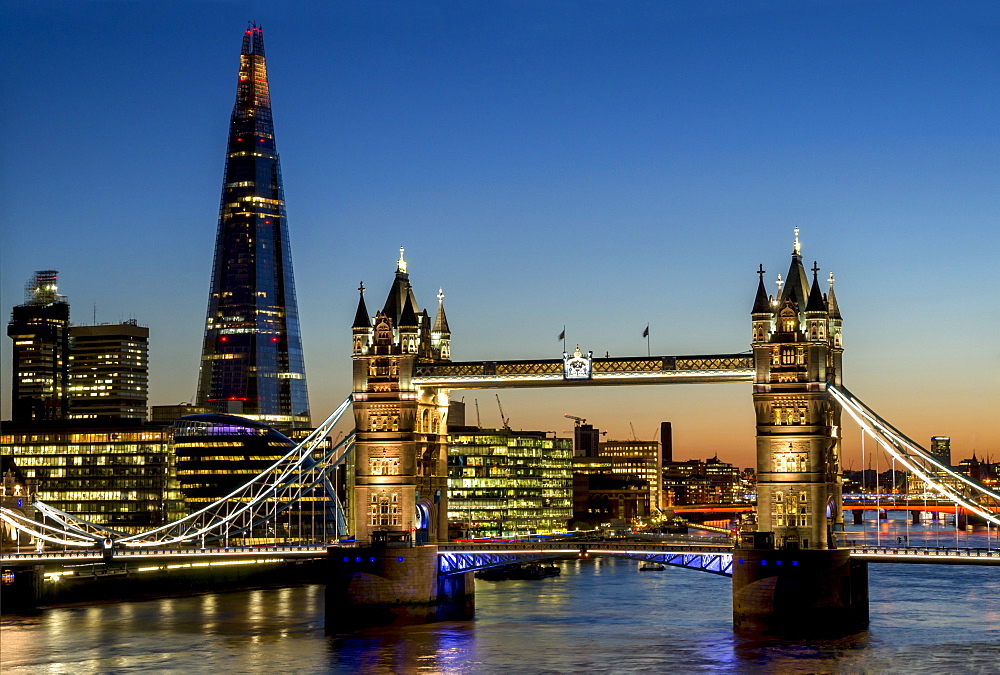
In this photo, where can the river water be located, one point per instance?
(599, 615)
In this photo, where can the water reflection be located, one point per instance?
(596, 616)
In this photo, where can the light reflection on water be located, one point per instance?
(598, 615)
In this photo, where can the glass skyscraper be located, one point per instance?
(252, 361)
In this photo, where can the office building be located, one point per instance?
(586, 440)
(114, 472)
(166, 414)
(216, 454)
(600, 498)
(252, 362)
(40, 361)
(941, 449)
(640, 459)
(504, 483)
(109, 371)
(709, 481)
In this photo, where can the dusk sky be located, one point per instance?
(598, 165)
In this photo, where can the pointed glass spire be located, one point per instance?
(252, 361)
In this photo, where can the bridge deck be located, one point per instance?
(603, 371)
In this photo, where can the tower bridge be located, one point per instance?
(791, 567)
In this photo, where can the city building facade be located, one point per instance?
(114, 472)
(709, 481)
(640, 459)
(252, 363)
(109, 371)
(504, 483)
(40, 332)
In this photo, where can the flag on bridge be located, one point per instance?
(645, 333)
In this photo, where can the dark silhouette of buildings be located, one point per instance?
(40, 363)
(586, 440)
(666, 442)
(252, 362)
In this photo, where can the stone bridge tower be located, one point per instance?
(399, 478)
(797, 348)
(788, 575)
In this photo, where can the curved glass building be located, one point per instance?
(215, 454)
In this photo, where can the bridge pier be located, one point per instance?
(22, 588)
(915, 516)
(809, 593)
(859, 516)
(393, 586)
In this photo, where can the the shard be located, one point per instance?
(252, 361)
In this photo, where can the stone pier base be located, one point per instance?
(388, 586)
(807, 593)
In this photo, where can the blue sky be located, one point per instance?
(601, 165)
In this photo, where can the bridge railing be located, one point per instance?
(259, 501)
(962, 490)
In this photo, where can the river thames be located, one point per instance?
(599, 615)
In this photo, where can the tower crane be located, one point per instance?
(503, 419)
(578, 420)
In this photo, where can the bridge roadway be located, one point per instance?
(469, 556)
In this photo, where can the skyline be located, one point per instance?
(547, 166)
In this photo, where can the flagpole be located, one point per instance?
(564, 338)
(646, 333)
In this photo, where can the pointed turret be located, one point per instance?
(762, 312)
(441, 320)
(362, 327)
(816, 316)
(835, 322)
(361, 317)
(441, 334)
(409, 326)
(408, 317)
(762, 303)
(831, 301)
(796, 286)
(399, 293)
(816, 302)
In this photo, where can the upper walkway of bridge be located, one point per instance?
(586, 371)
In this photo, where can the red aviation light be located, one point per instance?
(223, 339)
(239, 140)
(274, 339)
(262, 140)
(267, 222)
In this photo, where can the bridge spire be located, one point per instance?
(441, 333)
(361, 317)
(761, 304)
(831, 301)
(816, 302)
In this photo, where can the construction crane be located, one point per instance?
(579, 420)
(503, 419)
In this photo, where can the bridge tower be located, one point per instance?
(399, 478)
(789, 572)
